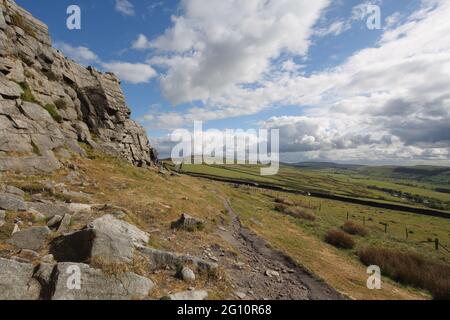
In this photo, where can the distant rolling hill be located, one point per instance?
(428, 174)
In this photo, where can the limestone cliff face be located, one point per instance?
(49, 104)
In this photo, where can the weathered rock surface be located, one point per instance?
(90, 244)
(186, 222)
(159, 259)
(16, 282)
(12, 203)
(97, 286)
(65, 223)
(33, 238)
(54, 222)
(35, 78)
(14, 191)
(111, 225)
(23, 281)
(49, 209)
(187, 275)
(2, 217)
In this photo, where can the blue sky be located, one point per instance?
(292, 65)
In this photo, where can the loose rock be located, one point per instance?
(33, 238)
(188, 223)
(97, 286)
(187, 275)
(54, 222)
(12, 203)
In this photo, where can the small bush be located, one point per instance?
(51, 109)
(27, 94)
(284, 201)
(300, 213)
(295, 212)
(281, 207)
(354, 228)
(339, 239)
(411, 269)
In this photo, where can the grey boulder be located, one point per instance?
(95, 285)
(187, 275)
(188, 223)
(33, 238)
(16, 282)
(12, 203)
(89, 244)
(111, 225)
(159, 259)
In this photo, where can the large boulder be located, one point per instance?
(188, 223)
(12, 203)
(95, 285)
(33, 238)
(15, 191)
(9, 89)
(90, 244)
(35, 164)
(111, 225)
(49, 209)
(16, 281)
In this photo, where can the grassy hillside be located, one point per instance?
(415, 175)
(156, 199)
(344, 182)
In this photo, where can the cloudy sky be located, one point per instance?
(337, 90)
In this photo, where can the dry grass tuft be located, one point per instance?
(339, 239)
(109, 268)
(354, 228)
(411, 269)
(295, 212)
(284, 201)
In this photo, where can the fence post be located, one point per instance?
(436, 244)
(364, 220)
(347, 215)
(407, 233)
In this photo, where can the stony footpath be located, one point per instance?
(46, 252)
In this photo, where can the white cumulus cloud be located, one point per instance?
(125, 7)
(79, 54)
(131, 72)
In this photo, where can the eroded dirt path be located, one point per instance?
(250, 273)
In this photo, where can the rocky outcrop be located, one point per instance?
(32, 238)
(68, 281)
(49, 104)
(98, 286)
(16, 281)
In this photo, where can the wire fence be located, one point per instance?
(438, 246)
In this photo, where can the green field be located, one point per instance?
(356, 183)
